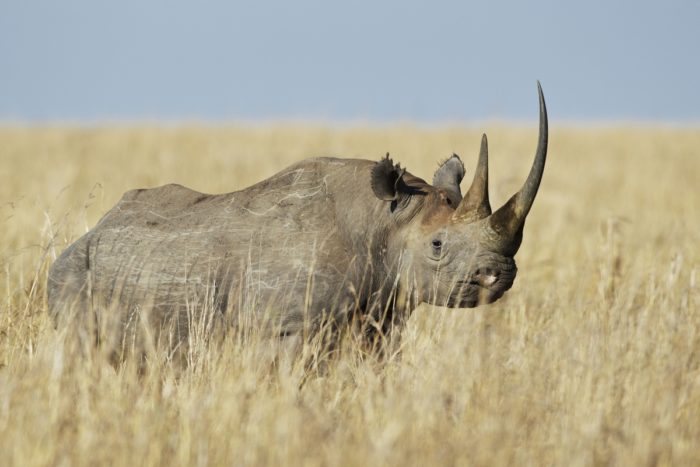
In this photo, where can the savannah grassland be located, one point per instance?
(593, 357)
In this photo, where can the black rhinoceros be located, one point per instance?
(326, 238)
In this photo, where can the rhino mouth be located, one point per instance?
(484, 286)
(475, 296)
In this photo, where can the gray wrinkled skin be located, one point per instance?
(325, 240)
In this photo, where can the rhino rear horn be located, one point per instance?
(475, 204)
(508, 220)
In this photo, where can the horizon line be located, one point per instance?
(338, 123)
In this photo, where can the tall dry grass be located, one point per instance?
(592, 358)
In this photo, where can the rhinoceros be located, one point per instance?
(326, 239)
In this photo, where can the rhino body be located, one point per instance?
(294, 246)
(325, 240)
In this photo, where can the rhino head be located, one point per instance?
(452, 249)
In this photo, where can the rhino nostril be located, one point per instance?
(482, 280)
(486, 277)
(489, 279)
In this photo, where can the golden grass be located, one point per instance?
(592, 358)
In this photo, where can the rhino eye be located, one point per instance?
(437, 246)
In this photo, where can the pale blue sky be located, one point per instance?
(129, 60)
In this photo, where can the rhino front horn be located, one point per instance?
(508, 220)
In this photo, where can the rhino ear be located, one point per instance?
(449, 175)
(387, 179)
